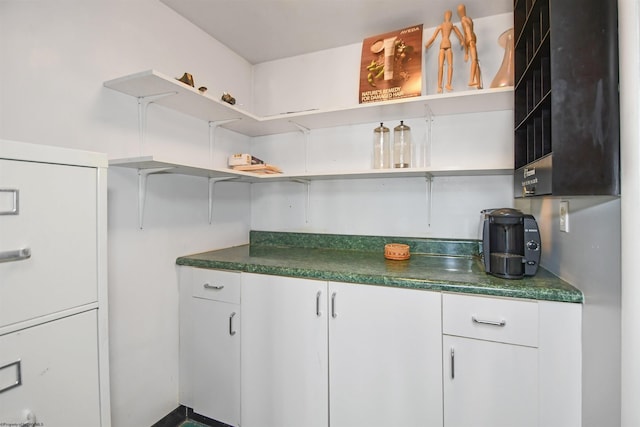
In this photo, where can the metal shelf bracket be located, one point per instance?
(143, 103)
(213, 125)
(307, 183)
(212, 184)
(306, 132)
(429, 194)
(143, 174)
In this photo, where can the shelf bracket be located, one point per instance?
(426, 148)
(212, 184)
(213, 125)
(307, 183)
(306, 132)
(429, 193)
(143, 174)
(143, 103)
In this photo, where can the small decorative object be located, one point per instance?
(202, 89)
(396, 251)
(445, 49)
(504, 76)
(186, 79)
(475, 79)
(226, 97)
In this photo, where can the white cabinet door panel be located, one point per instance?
(489, 384)
(385, 357)
(284, 367)
(215, 368)
(57, 221)
(59, 366)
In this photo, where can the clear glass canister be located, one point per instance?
(402, 146)
(381, 147)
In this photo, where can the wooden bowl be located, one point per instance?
(396, 251)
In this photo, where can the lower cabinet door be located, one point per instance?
(215, 368)
(284, 352)
(489, 384)
(385, 347)
(49, 374)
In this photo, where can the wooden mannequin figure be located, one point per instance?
(475, 79)
(445, 49)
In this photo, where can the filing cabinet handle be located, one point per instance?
(214, 287)
(500, 323)
(15, 210)
(17, 255)
(18, 380)
(453, 364)
(232, 332)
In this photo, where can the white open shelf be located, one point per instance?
(151, 163)
(188, 100)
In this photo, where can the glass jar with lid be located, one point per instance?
(381, 147)
(402, 146)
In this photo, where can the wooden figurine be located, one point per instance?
(445, 48)
(475, 79)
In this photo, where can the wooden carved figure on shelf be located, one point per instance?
(445, 48)
(475, 79)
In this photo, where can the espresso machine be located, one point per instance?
(510, 243)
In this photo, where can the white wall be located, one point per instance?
(54, 59)
(589, 258)
(400, 207)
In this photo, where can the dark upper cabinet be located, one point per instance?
(567, 130)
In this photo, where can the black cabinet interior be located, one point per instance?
(566, 108)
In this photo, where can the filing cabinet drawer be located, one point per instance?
(491, 319)
(216, 285)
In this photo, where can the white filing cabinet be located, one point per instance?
(53, 312)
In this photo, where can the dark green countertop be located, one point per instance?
(435, 264)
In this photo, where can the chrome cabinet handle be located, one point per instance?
(500, 323)
(453, 364)
(232, 332)
(17, 255)
(334, 314)
(214, 287)
(15, 210)
(318, 313)
(18, 381)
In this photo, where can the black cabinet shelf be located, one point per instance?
(566, 112)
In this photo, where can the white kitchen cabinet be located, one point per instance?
(210, 344)
(385, 364)
(490, 360)
(510, 362)
(489, 384)
(318, 354)
(54, 355)
(284, 366)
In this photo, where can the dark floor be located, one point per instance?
(185, 417)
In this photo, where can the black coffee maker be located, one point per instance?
(510, 243)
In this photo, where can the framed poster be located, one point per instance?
(391, 65)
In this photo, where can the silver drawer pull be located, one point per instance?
(15, 210)
(334, 314)
(17, 255)
(489, 322)
(214, 287)
(18, 380)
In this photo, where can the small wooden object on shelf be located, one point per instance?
(259, 168)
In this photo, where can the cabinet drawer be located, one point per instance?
(492, 319)
(50, 371)
(216, 285)
(51, 210)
